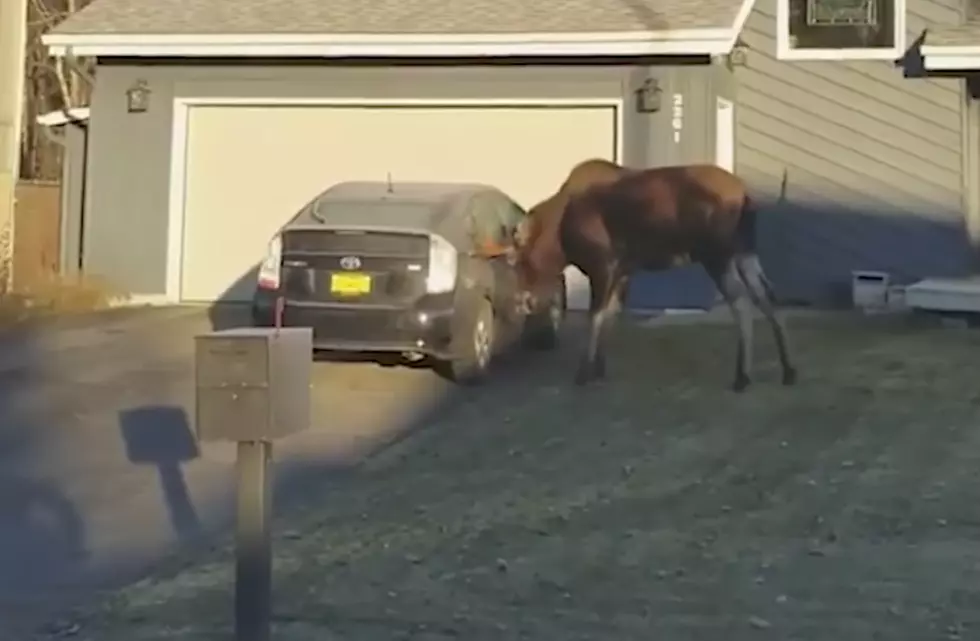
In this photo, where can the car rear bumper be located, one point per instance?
(360, 328)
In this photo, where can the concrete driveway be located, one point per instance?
(99, 474)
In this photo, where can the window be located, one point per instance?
(486, 223)
(512, 215)
(840, 29)
(494, 222)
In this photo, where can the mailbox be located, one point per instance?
(253, 383)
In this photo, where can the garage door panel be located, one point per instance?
(250, 169)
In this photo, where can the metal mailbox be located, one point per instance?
(253, 383)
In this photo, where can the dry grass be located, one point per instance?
(48, 293)
(55, 296)
(657, 506)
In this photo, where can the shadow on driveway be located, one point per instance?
(161, 436)
(42, 535)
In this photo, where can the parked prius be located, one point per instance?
(416, 269)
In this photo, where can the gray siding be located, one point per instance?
(72, 194)
(872, 162)
(128, 182)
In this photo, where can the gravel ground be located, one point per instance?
(657, 505)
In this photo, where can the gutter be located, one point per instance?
(679, 42)
(951, 58)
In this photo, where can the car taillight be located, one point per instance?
(442, 266)
(270, 270)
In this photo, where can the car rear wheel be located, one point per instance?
(475, 350)
(542, 328)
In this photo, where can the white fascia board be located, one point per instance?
(680, 42)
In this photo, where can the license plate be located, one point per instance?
(350, 284)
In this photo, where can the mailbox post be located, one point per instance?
(252, 387)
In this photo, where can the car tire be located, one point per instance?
(475, 350)
(542, 330)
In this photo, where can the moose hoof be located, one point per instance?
(789, 376)
(740, 384)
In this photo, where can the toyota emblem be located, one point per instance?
(350, 262)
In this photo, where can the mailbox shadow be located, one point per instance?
(161, 436)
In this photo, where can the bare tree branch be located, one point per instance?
(51, 84)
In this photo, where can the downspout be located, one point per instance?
(82, 197)
(73, 64)
(60, 140)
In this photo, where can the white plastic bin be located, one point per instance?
(869, 289)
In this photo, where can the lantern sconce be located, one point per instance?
(138, 97)
(648, 97)
(739, 55)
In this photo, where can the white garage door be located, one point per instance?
(250, 169)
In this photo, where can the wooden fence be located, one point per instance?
(37, 235)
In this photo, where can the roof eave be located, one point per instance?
(951, 58)
(61, 117)
(680, 42)
(710, 41)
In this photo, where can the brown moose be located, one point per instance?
(610, 221)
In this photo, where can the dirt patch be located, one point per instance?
(656, 506)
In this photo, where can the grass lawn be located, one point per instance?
(657, 505)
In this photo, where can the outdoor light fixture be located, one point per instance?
(739, 55)
(648, 97)
(138, 97)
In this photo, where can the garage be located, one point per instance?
(249, 168)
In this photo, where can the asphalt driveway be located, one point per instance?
(658, 503)
(99, 473)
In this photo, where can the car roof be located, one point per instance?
(408, 192)
(395, 206)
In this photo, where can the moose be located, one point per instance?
(611, 221)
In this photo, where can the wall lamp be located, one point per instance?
(138, 97)
(648, 96)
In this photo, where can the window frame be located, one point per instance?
(785, 52)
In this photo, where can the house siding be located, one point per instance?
(859, 165)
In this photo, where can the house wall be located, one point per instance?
(872, 162)
(72, 194)
(128, 183)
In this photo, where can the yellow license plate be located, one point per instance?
(350, 284)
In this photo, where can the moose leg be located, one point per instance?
(602, 293)
(733, 290)
(612, 308)
(760, 292)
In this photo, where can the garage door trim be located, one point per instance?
(179, 146)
